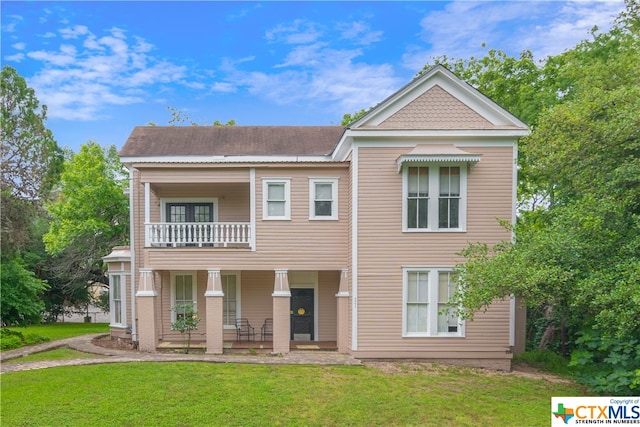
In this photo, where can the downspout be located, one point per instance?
(132, 250)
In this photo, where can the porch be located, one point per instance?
(306, 310)
(244, 347)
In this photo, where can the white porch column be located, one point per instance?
(214, 317)
(252, 208)
(281, 316)
(147, 212)
(146, 308)
(342, 299)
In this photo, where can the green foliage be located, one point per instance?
(89, 216)
(545, 360)
(608, 365)
(58, 331)
(31, 160)
(10, 339)
(20, 294)
(347, 119)
(178, 117)
(186, 321)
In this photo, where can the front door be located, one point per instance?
(302, 314)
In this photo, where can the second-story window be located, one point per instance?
(276, 196)
(323, 198)
(434, 198)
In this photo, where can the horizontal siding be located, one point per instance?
(298, 243)
(383, 249)
(328, 284)
(187, 175)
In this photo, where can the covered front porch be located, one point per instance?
(304, 310)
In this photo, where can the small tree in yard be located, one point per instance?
(186, 321)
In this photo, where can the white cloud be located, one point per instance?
(107, 70)
(545, 28)
(359, 33)
(297, 32)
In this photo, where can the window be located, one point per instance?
(422, 211)
(117, 300)
(231, 300)
(276, 199)
(426, 312)
(183, 293)
(323, 198)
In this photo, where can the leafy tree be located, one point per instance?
(347, 119)
(88, 217)
(576, 254)
(31, 158)
(21, 294)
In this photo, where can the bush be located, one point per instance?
(607, 365)
(10, 343)
(10, 339)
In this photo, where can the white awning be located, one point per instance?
(436, 153)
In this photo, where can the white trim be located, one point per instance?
(434, 194)
(252, 208)
(334, 198)
(238, 297)
(122, 279)
(146, 293)
(165, 200)
(354, 248)
(226, 159)
(432, 300)
(147, 202)
(512, 321)
(132, 250)
(194, 289)
(439, 134)
(287, 198)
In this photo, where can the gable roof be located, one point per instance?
(438, 100)
(165, 141)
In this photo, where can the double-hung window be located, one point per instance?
(231, 300)
(434, 197)
(183, 293)
(276, 198)
(427, 312)
(117, 300)
(323, 198)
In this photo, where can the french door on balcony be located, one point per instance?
(188, 214)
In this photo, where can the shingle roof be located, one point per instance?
(231, 140)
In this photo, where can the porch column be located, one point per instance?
(214, 319)
(281, 308)
(147, 212)
(342, 314)
(146, 310)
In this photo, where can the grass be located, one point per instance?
(55, 354)
(58, 331)
(547, 361)
(194, 394)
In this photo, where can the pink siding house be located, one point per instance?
(343, 238)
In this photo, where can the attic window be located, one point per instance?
(437, 153)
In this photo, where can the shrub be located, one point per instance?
(607, 365)
(10, 339)
(10, 342)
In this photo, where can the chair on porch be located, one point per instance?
(244, 329)
(267, 329)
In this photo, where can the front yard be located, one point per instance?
(197, 394)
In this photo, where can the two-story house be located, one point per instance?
(342, 235)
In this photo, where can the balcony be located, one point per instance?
(199, 234)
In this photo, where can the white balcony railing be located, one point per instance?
(199, 234)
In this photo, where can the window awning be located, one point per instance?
(436, 153)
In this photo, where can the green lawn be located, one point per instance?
(56, 354)
(58, 331)
(196, 394)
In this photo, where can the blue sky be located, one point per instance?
(104, 67)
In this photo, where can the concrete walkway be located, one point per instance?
(107, 355)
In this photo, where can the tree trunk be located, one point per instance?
(549, 332)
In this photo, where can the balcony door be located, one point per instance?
(189, 212)
(187, 215)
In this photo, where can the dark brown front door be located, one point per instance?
(302, 314)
